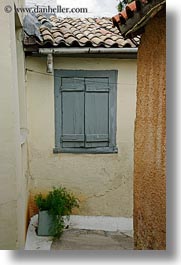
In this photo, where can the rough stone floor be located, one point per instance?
(76, 239)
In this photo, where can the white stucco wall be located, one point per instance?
(104, 182)
(13, 159)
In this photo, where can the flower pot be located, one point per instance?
(45, 224)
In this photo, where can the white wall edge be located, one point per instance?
(23, 135)
(106, 223)
(34, 242)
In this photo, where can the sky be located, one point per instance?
(96, 8)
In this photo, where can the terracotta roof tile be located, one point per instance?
(131, 21)
(96, 41)
(46, 32)
(70, 40)
(56, 35)
(71, 32)
(109, 42)
(59, 40)
(48, 38)
(79, 35)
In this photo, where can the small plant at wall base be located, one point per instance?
(58, 204)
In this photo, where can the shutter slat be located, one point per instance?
(97, 138)
(97, 84)
(89, 88)
(72, 138)
(72, 84)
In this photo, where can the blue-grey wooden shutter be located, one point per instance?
(72, 102)
(96, 112)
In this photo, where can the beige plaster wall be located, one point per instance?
(104, 182)
(13, 162)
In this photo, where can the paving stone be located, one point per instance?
(81, 239)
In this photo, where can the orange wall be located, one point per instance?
(150, 139)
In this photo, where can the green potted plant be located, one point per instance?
(54, 208)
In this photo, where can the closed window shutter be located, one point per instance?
(85, 111)
(96, 112)
(72, 102)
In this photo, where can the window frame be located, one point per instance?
(112, 75)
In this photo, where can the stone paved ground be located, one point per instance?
(76, 239)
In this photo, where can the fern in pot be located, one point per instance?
(54, 208)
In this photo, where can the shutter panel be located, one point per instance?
(72, 83)
(72, 135)
(96, 112)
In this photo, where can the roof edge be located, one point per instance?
(60, 51)
(131, 21)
